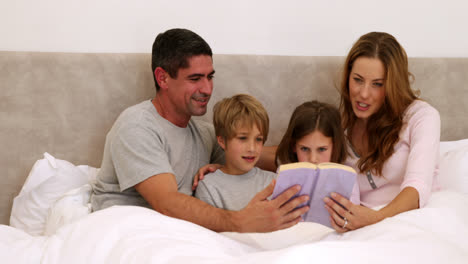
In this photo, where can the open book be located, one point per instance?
(317, 181)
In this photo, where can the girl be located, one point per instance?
(314, 134)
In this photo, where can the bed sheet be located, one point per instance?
(434, 234)
(127, 234)
(17, 246)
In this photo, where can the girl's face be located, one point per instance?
(314, 147)
(366, 87)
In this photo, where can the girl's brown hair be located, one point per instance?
(307, 118)
(383, 127)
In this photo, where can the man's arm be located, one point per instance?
(260, 215)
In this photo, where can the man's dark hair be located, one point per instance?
(173, 48)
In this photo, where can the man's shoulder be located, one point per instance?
(137, 111)
(142, 115)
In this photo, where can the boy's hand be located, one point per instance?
(263, 215)
(202, 172)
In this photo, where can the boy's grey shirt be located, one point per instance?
(232, 192)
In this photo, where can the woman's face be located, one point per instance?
(366, 87)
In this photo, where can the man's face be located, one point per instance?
(190, 92)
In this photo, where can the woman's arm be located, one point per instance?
(423, 158)
(422, 134)
(407, 199)
(357, 216)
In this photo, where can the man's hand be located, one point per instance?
(263, 215)
(202, 172)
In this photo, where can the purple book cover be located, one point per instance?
(317, 181)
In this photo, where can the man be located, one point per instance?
(154, 148)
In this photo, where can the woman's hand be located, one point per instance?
(202, 172)
(349, 216)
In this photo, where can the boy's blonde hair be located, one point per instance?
(239, 110)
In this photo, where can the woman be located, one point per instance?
(393, 136)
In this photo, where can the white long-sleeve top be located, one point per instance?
(413, 164)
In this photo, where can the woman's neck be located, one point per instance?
(359, 138)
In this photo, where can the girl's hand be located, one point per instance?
(349, 216)
(202, 172)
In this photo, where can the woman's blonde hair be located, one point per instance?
(384, 126)
(239, 110)
(307, 118)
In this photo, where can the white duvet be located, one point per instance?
(52, 224)
(437, 233)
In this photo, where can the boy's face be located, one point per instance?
(243, 150)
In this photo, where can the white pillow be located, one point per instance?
(453, 169)
(446, 146)
(72, 206)
(48, 180)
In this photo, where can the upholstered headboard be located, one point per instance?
(64, 103)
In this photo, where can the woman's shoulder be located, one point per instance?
(420, 105)
(420, 109)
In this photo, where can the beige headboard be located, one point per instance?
(64, 103)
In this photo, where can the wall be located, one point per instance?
(296, 27)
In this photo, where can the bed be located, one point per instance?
(56, 109)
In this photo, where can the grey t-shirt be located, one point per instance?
(232, 192)
(141, 144)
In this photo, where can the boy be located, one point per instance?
(241, 127)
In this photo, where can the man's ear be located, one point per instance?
(221, 142)
(161, 77)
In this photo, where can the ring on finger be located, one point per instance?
(345, 223)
